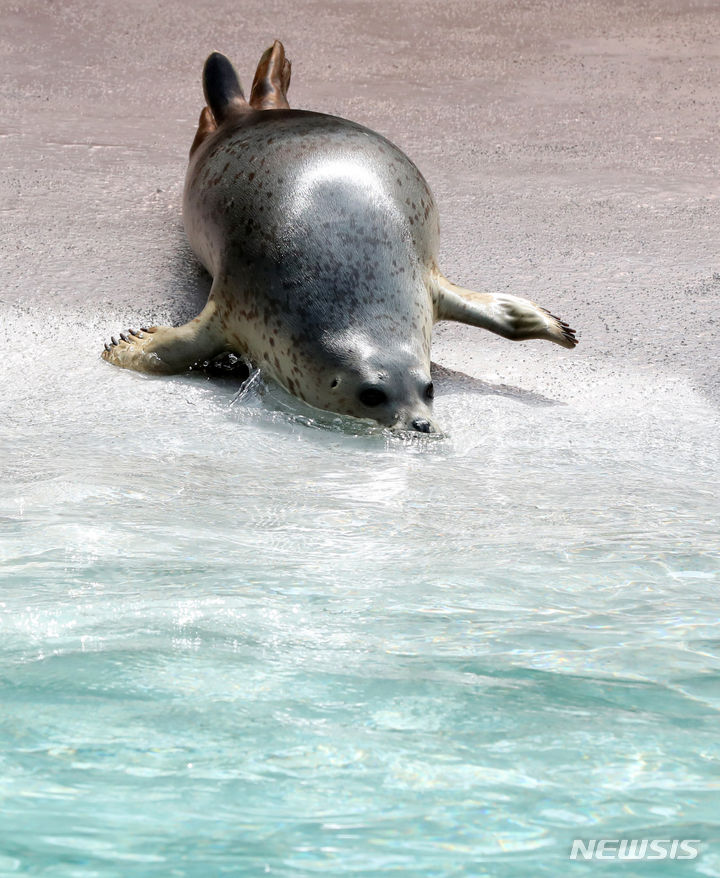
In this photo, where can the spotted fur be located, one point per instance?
(321, 237)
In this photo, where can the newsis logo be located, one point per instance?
(635, 849)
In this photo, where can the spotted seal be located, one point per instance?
(322, 238)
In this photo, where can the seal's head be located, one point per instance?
(391, 386)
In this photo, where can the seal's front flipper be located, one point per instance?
(167, 350)
(223, 92)
(272, 80)
(506, 315)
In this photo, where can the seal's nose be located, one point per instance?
(422, 425)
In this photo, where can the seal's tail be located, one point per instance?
(272, 80)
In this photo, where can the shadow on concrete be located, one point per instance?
(448, 380)
(188, 282)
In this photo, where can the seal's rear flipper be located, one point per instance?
(206, 126)
(272, 80)
(506, 315)
(223, 92)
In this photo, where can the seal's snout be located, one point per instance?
(410, 426)
(422, 425)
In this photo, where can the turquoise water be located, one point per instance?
(233, 644)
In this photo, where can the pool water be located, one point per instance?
(233, 642)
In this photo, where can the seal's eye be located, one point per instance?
(429, 391)
(372, 397)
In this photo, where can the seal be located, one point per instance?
(321, 237)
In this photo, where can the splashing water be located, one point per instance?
(235, 643)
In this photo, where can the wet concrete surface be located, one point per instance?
(572, 148)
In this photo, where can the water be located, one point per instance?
(232, 643)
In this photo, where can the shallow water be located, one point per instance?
(233, 643)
